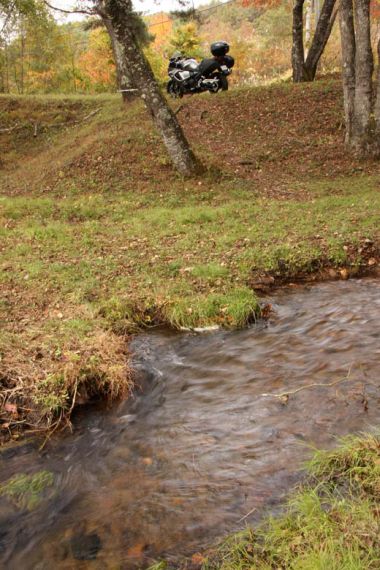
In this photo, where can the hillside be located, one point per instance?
(100, 237)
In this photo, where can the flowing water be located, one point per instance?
(204, 446)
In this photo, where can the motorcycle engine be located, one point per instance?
(210, 84)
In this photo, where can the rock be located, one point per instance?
(85, 546)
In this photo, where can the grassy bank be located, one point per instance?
(99, 237)
(331, 521)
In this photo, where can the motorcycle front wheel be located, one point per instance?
(173, 90)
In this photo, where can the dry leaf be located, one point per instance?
(11, 408)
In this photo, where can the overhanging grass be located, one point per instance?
(331, 522)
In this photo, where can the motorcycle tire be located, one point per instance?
(223, 82)
(173, 90)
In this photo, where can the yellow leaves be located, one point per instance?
(96, 64)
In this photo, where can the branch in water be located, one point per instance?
(284, 396)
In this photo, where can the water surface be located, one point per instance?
(204, 446)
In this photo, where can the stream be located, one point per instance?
(204, 446)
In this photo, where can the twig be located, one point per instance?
(18, 127)
(247, 515)
(89, 115)
(10, 129)
(56, 425)
(287, 394)
(180, 108)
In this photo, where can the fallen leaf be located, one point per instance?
(197, 559)
(136, 551)
(11, 408)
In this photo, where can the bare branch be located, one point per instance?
(75, 11)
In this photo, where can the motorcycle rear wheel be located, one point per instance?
(223, 82)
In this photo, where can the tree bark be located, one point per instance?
(308, 17)
(347, 33)
(377, 104)
(123, 80)
(298, 56)
(321, 35)
(118, 13)
(361, 127)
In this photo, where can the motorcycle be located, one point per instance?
(187, 76)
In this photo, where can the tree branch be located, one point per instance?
(76, 11)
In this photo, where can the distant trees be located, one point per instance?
(305, 68)
(186, 40)
(362, 109)
(17, 17)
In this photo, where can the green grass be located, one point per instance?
(123, 261)
(27, 491)
(99, 237)
(332, 521)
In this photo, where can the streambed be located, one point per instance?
(204, 446)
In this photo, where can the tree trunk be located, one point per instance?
(347, 33)
(377, 105)
(317, 10)
(361, 131)
(123, 80)
(298, 57)
(118, 13)
(308, 17)
(322, 33)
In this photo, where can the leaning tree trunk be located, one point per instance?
(361, 127)
(377, 104)
(347, 33)
(118, 13)
(322, 33)
(122, 76)
(298, 56)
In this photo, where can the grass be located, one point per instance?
(331, 521)
(27, 491)
(99, 237)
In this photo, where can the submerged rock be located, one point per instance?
(85, 546)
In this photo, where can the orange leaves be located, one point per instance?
(161, 26)
(260, 3)
(375, 9)
(96, 65)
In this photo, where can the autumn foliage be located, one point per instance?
(40, 55)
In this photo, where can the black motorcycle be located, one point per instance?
(187, 76)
